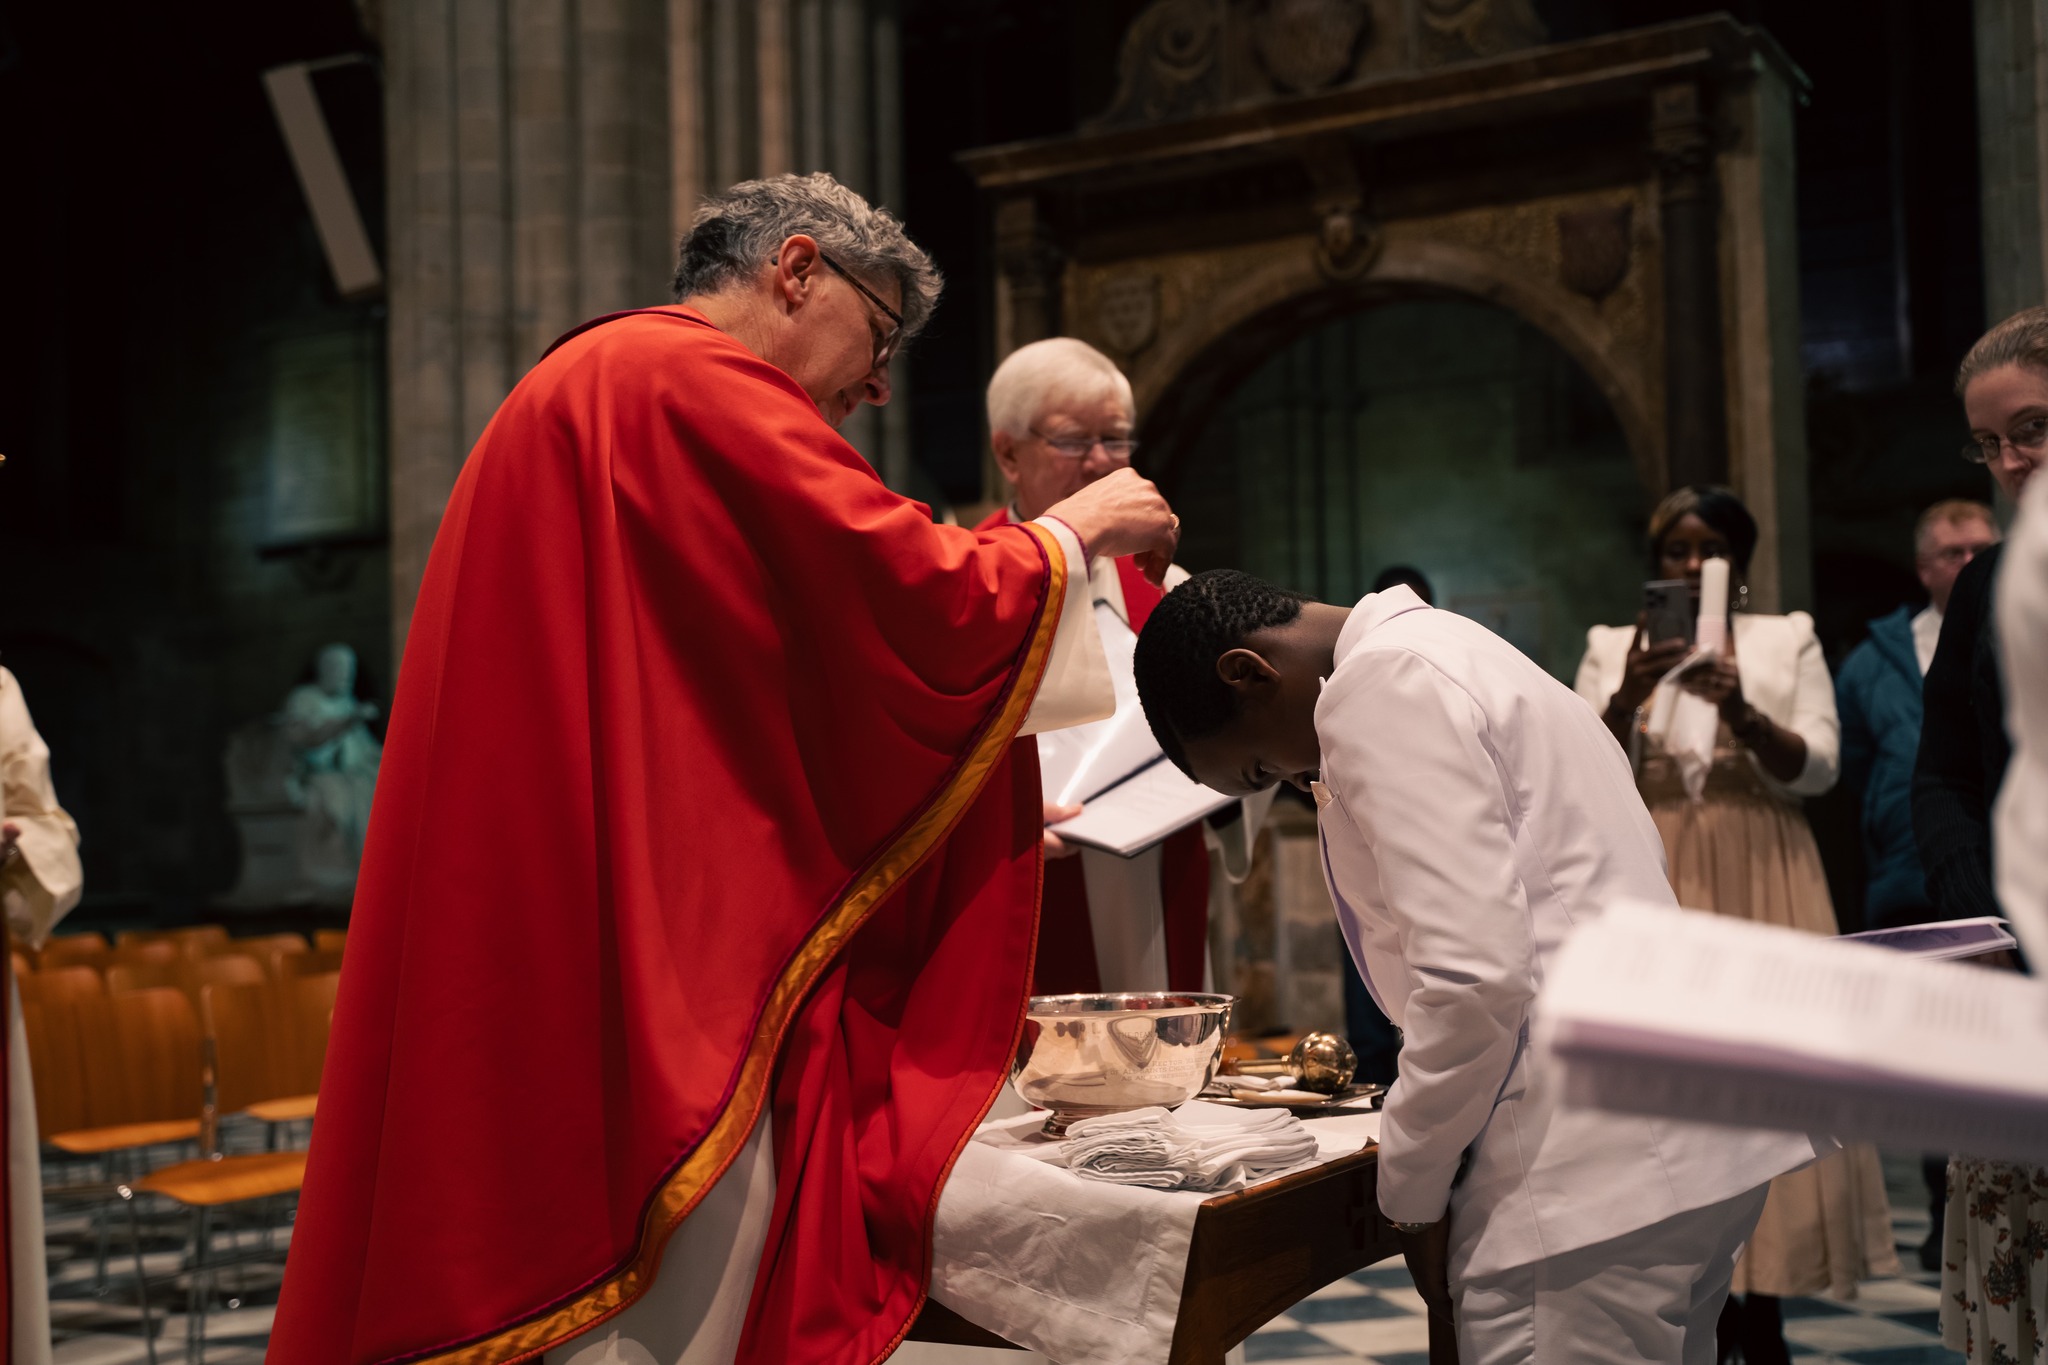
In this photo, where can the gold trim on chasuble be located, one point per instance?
(702, 1168)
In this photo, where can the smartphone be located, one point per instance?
(1668, 611)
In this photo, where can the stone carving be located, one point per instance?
(1347, 245)
(1462, 30)
(1185, 58)
(1168, 68)
(1594, 248)
(1307, 45)
(1127, 310)
(299, 789)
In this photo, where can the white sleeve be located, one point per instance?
(44, 879)
(1410, 768)
(1075, 687)
(1813, 716)
(2019, 841)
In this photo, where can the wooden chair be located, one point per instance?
(146, 974)
(69, 950)
(182, 939)
(225, 969)
(56, 1054)
(310, 1004)
(263, 945)
(329, 940)
(240, 1065)
(139, 1054)
(316, 963)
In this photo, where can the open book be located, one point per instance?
(1132, 796)
(1949, 938)
(1690, 1015)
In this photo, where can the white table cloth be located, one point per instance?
(1084, 1272)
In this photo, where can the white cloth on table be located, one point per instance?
(1193, 1150)
(1082, 1271)
(1648, 1297)
(692, 1316)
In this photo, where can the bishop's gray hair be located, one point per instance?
(737, 232)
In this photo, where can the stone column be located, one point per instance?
(1681, 139)
(1029, 273)
(1766, 403)
(530, 169)
(2012, 141)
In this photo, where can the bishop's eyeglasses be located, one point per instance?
(1118, 448)
(885, 342)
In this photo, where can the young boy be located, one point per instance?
(1472, 809)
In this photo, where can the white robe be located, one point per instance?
(693, 1312)
(37, 887)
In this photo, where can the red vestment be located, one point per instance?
(698, 799)
(1066, 936)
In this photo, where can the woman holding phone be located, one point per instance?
(1742, 847)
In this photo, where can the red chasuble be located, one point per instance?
(698, 803)
(1066, 936)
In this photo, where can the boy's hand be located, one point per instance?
(1428, 1254)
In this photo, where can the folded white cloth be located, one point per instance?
(1233, 1081)
(1162, 1151)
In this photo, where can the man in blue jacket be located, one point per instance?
(1878, 699)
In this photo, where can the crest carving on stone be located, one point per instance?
(1594, 248)
(1127, 310)
(1309, 45)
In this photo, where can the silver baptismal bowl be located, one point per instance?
(1084, 1055)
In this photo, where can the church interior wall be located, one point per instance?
(193, 419)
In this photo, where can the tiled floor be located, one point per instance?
(1374, 1318)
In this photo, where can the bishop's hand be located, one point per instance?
(1120, 514)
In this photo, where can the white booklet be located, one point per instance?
(1132, 797)
(1690, 1015)
(1949, 938)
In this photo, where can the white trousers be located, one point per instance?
(693, 1312)
(1649, 1297)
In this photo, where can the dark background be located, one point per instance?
(156, 247)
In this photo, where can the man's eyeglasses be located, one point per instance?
(1118, 448)
(1956, 554)
(885, 344)
(2029, 435)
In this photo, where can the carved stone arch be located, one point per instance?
(1181, 380)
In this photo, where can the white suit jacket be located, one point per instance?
(1784, 675)
(1472, 809)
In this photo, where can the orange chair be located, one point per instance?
(310, 1001)
(71, 950)
(56, 1051)
(240, 1064)
(143, 975)
(138, 1052)
(329, 940)
(316, 963)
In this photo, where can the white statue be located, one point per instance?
(334, 767)
(299, 789)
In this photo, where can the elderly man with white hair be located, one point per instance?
(692, 936)
(1061, 417)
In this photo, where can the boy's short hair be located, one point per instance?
(1192, 627)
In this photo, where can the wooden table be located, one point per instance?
(1255, 1254)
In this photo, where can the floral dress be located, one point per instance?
(1994, 1266)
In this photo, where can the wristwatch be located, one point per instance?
(1410, 1228)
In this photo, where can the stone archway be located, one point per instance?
(1219, 313)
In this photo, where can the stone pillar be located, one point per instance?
(530, 169)
(1681, 138)
(1029, 273)
(2012, 140)
(1766, 403)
